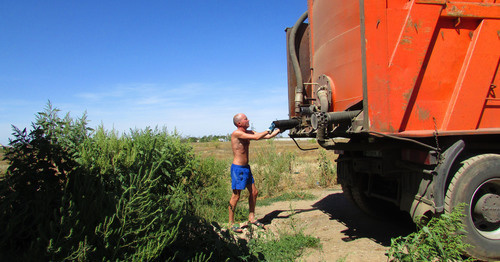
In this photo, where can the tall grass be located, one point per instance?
(327, 172)
(272, 169)
(213, 190)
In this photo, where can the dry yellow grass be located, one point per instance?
(222, 150)
(3, 164)
(305, 172)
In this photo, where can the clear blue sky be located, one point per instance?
(186, 65)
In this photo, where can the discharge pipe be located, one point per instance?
(322, 119)
(286, 124)
(299, 97)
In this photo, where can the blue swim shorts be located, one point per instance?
(241, 176)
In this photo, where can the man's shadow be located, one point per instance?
(359, 225)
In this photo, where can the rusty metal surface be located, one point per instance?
(336, 49)
(431, 65)
(472, 10)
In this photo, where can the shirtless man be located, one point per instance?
(241, 175)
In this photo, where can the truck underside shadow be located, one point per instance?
(360, 225)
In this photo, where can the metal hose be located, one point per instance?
(299, 98)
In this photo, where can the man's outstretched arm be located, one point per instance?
(273, 134)
(250, 135)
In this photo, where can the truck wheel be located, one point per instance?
(374, 207)
(346, 189)
(355, 192)
(343, 171)
(477, 184)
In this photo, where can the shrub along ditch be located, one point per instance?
(439, 239)
(73, 193)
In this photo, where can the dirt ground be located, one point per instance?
(345, 233)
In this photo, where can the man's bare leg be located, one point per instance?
(232, 205)
(252, 200)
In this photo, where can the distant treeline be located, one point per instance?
(212, 138)
(209, 138)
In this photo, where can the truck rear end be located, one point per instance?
(405, 91)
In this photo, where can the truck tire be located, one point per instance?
(373, 207)
(355, 189)
(477, 184)
(346, 189)
(343, 171)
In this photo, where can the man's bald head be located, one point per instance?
(237, 118)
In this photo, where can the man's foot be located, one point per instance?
(236, 228)
(258, 224)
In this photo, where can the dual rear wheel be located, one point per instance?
(477, 184)
(355, 192)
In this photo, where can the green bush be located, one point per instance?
(33, 193)
(145, 173)
(72, 195)
(438, 240)
(212, 185)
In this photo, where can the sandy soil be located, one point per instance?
(345, 233)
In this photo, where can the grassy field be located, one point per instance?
(304, 169)
(222, 150)
(3, 164)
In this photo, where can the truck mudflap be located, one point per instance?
(442, 171)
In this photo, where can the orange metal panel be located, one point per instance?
(310, 18)
(473, 10)
(403, 67)
(441, 69)
(474, 82)
(444, 2)
(437, 72)
(336, 45)
(418, 65)
(491, 111)
(376, 60)
(396, 16)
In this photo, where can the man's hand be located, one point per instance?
(271, 135)
(271, 128)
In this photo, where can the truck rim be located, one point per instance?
(485, 209)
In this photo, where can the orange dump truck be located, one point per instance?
(405, 91)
